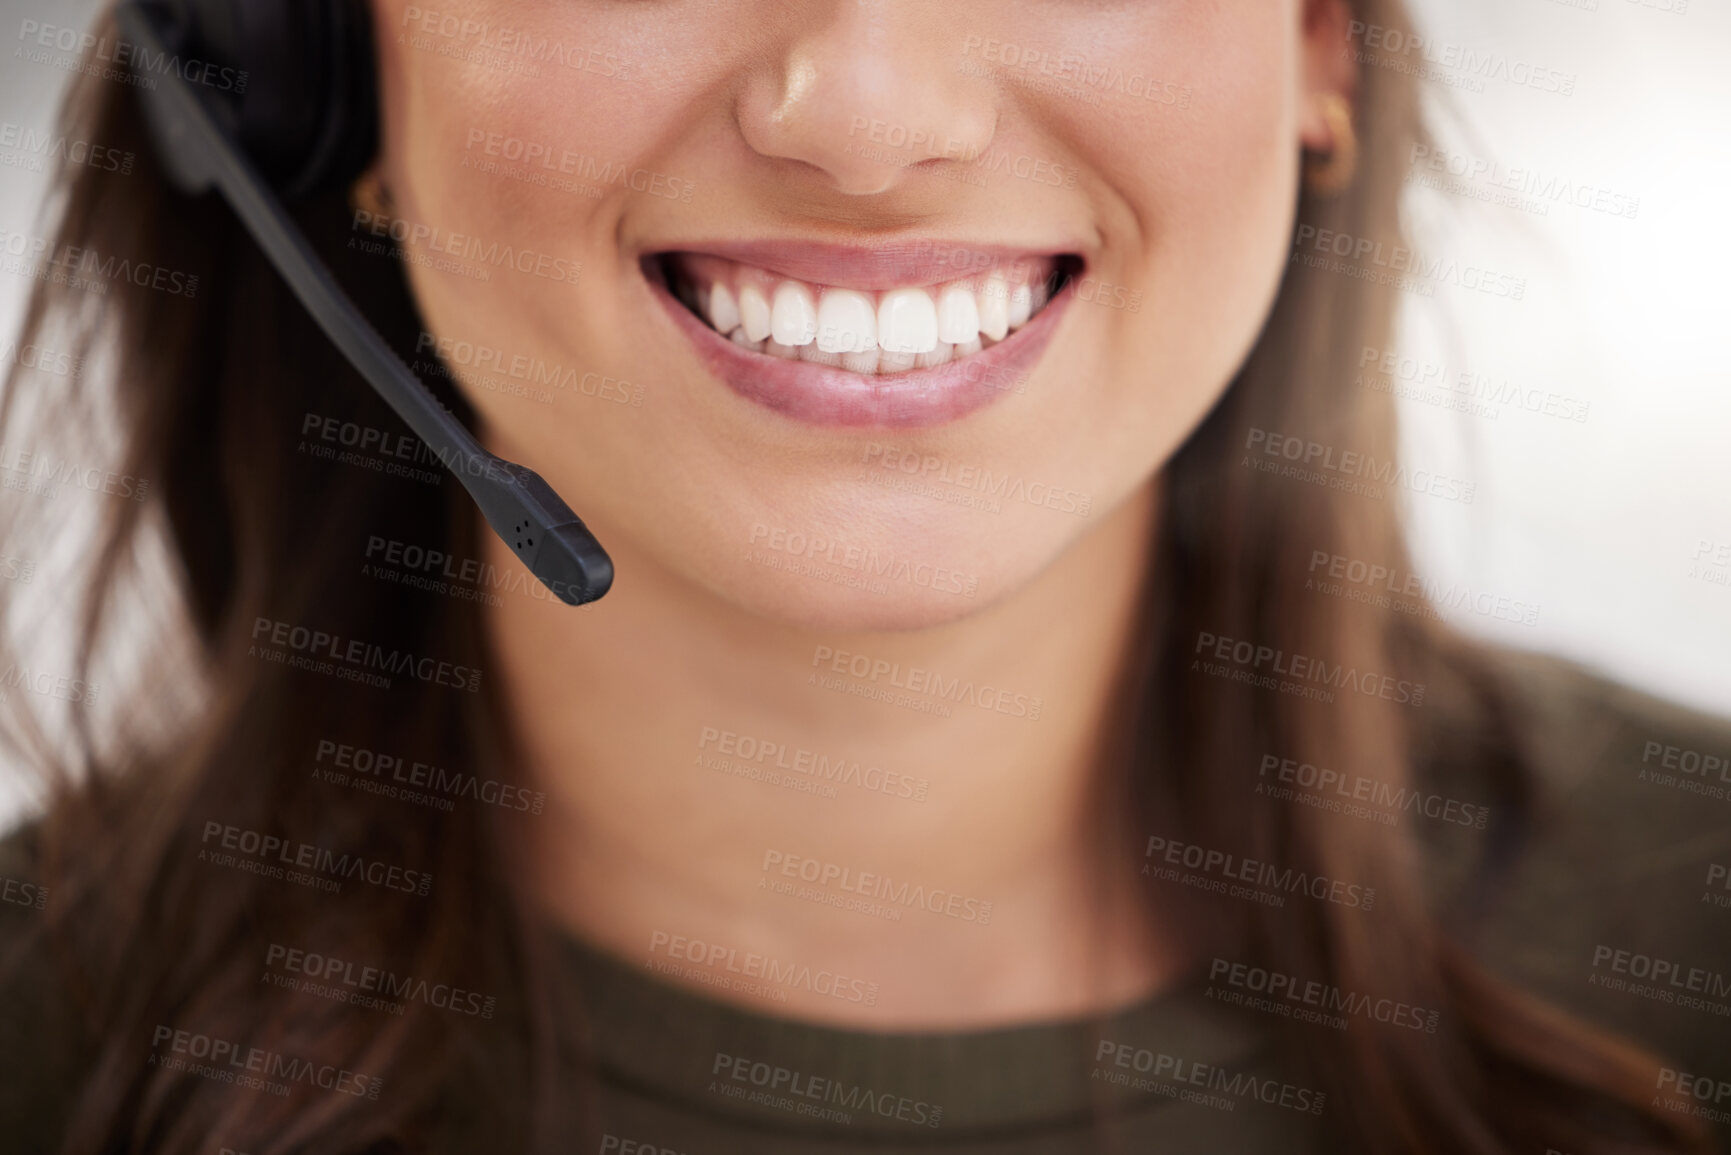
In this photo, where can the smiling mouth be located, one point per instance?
(874, 331)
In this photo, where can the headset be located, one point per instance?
(270, 101)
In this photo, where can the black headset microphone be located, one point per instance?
(297, 116)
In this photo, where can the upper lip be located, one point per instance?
(891, 264)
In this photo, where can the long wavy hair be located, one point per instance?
(197, 400)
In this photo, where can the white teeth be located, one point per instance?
(936, 357)
(958, 315)
(995, 307)
(846, 322)
(723, 312)
(865, 332)
(907, 322)
(813, 352)
(754, 312)
(793, 315)
(864, 361)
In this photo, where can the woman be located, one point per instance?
(978, 751)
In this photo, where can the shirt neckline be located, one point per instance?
(708, 1056)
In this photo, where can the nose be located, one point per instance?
(867, 94)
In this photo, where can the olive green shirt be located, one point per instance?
(1618, 909)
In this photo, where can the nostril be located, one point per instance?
(862, 108)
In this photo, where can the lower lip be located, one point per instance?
(824, 395)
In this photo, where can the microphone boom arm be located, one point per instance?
(520, 507)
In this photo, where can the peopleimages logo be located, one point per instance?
(1545, 188)
(1448, 60)
(353, 659)
(1401, 260)
(34, 147)
(466, 247)
(1074, 68)
(874, 886)
(124, 54)
(866, 560)
(545, 155)
(53, 473)
(41, 358)
(767, 974)
(1702, 1089)
(1245, 662)
(728, 750)
(1702, 772)
(1718, 875)
(1271, 990)
(1335, 790)
(87, 269)
(1431, 381)
(20, 893)
(394, 776)
(799, 1093)
(273, 856)
(481, 42)
(921, 681)
(17, 676)
(976, 481)
(1350, 470)
(360, 985)
(229, 1062)
(1661, 980)
(1228, 869)
(522, 367)
(1386, 587)
(1170, 1072)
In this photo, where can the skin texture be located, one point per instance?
(1185, 199)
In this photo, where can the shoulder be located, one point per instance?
(1617, 903)
(41, 1059)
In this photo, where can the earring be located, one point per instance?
(1328, 173)
(369, 195)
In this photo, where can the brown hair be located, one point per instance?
(210, 392)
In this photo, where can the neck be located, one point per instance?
(916, 810)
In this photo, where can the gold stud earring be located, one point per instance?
(1328, 173)
(369, 195)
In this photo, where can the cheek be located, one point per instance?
(1204, 186)
(1195, 220)
(1225, 187)
(1220, 200)
(530, 119)
(515, 165)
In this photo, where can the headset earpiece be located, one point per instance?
(304, 99)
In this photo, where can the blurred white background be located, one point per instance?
(1597, 522)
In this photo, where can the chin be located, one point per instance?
(899, 563)
(820, 607)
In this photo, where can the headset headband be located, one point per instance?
(295, 80)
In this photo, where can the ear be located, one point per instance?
(1327, 65)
